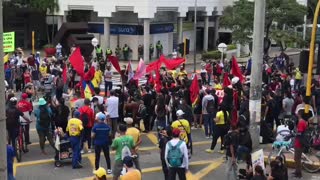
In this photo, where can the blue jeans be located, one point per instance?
(242, 150)
(208, 124)
(107, 86)
(209, 78)
(76, 154)
(11, 177)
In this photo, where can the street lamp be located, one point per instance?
(195, 36)
(222, 47)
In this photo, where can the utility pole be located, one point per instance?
(3, 137)
(256, 72)
(195, 37)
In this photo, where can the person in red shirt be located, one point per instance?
(26, 108)
(27, 76)
(87, 118)
(209, 70)
(298, 147)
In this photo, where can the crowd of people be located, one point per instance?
(114, 119)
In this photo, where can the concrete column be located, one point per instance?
(205, 33)
(60, 22)
(106, 32)
(216, 32)
(180, 29)
(146, 39)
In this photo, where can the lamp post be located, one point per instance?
(195, 36)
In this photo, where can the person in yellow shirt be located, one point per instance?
(43, 69)
(132, 173)
(185, 131)
(96, 81)
(220, 129)
(298, 78)
(135, 133)
(74, 129)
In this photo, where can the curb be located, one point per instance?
(289, 162)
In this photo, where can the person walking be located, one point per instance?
(208, 112)
(75, 130)
(299, 143)
(87, 118)
(298, 78)
(99, 52)
(159, 48)
(221, 128)
(176, 156)
(135, 134)
(113, 110)
(107, 80)
(185, 130)
(10, 161)
(44, 124)
(231, 145)
(101, 132)
(26, 108)
(123, 145)
(140, 52)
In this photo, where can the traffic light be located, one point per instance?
(181, 49)
(187, 46)
(184, 47)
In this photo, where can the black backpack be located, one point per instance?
(85, 119)
(210, 106)
(45, 118)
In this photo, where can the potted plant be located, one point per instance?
(50, 50)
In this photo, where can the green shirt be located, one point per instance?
(119, 143)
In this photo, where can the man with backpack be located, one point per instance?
(59, 86)
(208, 111)
(231, 142)
(123, 145)
(176, 156)
(300, 142)
(43, 124)
(87, 118)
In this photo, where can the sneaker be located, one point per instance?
(109, 171)
(208, 137)
(221, 151)
(209, 151)
(82, 151)
(89, 151)
(77, 167)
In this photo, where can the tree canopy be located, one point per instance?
(239, 17)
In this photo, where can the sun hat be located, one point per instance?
(100, 172)
(179, 112)
(42, 101)
(128, 120)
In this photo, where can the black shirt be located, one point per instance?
(234, 142)
(13, 117)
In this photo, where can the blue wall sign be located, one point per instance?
(118, 29)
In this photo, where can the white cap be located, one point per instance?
(179, 113)
(128, 120)
(235, 80)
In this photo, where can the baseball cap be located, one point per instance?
(235, 80)
(128, 120)
(128, 161)
(24, 96)
(76, 114)
(176, 132)
(179, 112)
(100, 172)
(101, 117)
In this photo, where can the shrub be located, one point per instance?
(231, 47)
(212, 55)
(49, 46)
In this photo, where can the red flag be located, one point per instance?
(226, 80)
(64, 73)
(236, 70)
(141, 70)
(115, 63)
(153, 66)
(172, 63)
(76, 61)
(194, 90)
(130, 71)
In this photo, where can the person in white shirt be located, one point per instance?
(113, 110)
(107, 80)
(176, 165)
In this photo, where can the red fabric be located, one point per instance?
(88, 76)
(152, 66)
(220, 94)
(115, 63)
(90, 113)
(234, 120)
(76, 61)
(209, 68)
(226, 80)
(236, 70)
(64, 74)
(27, 78)
(157, 80)
(194, 90)
(219, 69)
(24, 106)
(169, 63)
(141, 70)
(301, 127)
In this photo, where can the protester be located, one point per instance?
(87, 118)
(101, 133)
(166, 136)
(75, 131)
(132, 173)
(113, 110)
(100, 174)
(10, 160)
(176, 156)
(231, 145)
(208, 111)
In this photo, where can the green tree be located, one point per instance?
(239, 17)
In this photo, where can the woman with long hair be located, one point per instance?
(161, 110)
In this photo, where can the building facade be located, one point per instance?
(134, 22)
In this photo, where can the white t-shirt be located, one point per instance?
(100, 99)
(108, 75)
(282, 132)
(113, 106)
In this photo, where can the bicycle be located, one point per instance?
(20, 144)
(310, 160)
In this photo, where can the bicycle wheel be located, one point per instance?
(310, 161)
(18, 150)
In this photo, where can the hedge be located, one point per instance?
(231, 47)
(212, 55)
